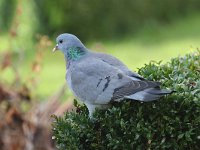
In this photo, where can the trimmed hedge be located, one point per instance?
(173, 122)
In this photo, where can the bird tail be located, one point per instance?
(150, 94)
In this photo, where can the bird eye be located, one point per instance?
(60, 41)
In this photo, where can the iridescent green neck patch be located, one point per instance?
(74, 53)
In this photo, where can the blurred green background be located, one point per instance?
(135, 31)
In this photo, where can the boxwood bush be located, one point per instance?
(172, 122)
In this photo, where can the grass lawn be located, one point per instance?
(158, 43)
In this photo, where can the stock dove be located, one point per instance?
(98, 79)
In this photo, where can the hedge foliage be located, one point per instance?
(173, 122)
(105, 19)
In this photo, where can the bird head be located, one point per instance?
(65, 41)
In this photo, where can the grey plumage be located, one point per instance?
(97, 78)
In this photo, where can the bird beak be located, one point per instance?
(55, 48)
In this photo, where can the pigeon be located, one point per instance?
(98, 79)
